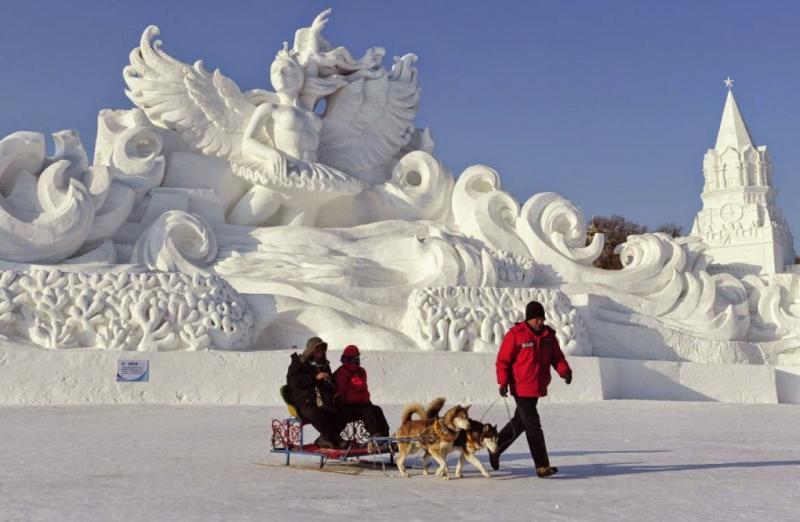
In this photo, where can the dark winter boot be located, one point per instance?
(546, 471)
(494, 461)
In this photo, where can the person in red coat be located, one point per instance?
(523, 364)
(352, 395)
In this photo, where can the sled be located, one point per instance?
(287, 439)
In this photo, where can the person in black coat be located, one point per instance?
(311, 388)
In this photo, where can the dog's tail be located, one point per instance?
(410, 410)
(434, 408)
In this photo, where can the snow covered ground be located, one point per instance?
(619, 460)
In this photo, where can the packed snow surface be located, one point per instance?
(619, 460)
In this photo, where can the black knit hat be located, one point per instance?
(533, 310)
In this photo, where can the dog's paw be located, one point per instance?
(446, 477)
(404, 474)
(425, 472)
(458, 475)
(487, 474)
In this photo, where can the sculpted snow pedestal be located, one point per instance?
(319, 208)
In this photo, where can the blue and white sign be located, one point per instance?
(133, 370)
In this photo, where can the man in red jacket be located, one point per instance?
(523, 368)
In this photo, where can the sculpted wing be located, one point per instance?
(368, 121)
(207, 110)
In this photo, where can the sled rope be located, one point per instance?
(508, 411)
(488, 409)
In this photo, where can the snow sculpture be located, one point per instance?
(48, 205)
(253, 220)
(455, 318)
(122, 310)
(158, 248)
(55, 207)
(740, 220)
(661, 276)
(294, 159)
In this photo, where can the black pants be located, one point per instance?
(374, 420)
(526, 419)
(324, 421)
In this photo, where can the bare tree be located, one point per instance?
(616, 229)
(672, 229)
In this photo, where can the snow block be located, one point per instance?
(665, 380)
(787, 381)
(739, 383)
(76, 376)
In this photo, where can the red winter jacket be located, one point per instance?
(524, 360)
(351, 384)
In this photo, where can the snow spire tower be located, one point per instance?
(740, 221)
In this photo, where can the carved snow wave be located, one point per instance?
(482, 211)
(776, 305)
(420, 188)
(123, 311)
(40, 223)
(176, 242)
(662, 277)
(477, 318)
(136, 156)
(52, 208)
(554, 230)
(668, 281)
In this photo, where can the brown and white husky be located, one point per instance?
(431, 433)
(469, 442)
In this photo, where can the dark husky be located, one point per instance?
(435, 435)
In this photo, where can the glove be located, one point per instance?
(568, 378)
(504, 390)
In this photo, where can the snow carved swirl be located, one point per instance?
(482, 211)
(667, 278)
(551, 223)
(176, 242)
(775, 306)
(661, 277)
(420, 188)
(46, 210)
(137, 158)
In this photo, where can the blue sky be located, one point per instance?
(612, 104)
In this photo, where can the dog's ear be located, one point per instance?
(467, 407)
(486, 428)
